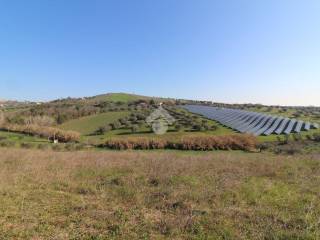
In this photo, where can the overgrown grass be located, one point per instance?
(158, 195)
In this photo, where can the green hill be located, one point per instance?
(118, 97)
(87, 125)
(124, 97)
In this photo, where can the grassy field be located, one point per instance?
(20, 138)
(87, 125)
(158, 195)
(118, 97)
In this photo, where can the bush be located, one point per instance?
(234, 142)
(178, 127)
(3, 138)
(134, 128)
(26, 145)
(288, 149)
(44, 132)
(316, 137)
(70, 147)
(43, 146)
(102, 130)
(116, 125)
(213, 128)
(57, 147)
(7, 144)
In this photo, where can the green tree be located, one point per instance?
(134, 128)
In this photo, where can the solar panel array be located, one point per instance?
(251, 122)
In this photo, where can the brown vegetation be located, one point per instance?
(158, 195)
(44, 132)
(203, 143)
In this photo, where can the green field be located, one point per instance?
(87, 125)
(119, 97)
(20, 138)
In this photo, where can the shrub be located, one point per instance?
(316, 137)
(134, 128)
(70, 147)
(213, 128)
(309, 137)
(197, 127)
(40, 121)
(101, 130)
(234, 142)
(297, 137)
(26, 145)
(116, 125)
(43, 146)
(7, 144)
(3, 138)
(178, 127)
(288, 149)
(44, 132)
(57, 147)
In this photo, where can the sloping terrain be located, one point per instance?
(124, 97)
(87, 125)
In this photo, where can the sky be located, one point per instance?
(233, 51)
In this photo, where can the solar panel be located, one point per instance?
(274, 126)
(231, 122)
(260, 125)
(307, 126)
(244, 123)
(251, 122)
(282, 126)
(290, 126)
(265, 127)
(238, 116)
(298, 127)
(245, 120)
(229, 117)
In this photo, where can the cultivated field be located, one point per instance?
(158, 195)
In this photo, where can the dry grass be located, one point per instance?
(204, 143)
(158, 195)
(43, 132)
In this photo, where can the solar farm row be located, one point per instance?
(251, 122)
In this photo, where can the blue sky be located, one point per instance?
(242, 51)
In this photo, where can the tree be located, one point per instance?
(101, 130)
(61, 118)
(214, 128)
(134, 128)
(43, 121)
(115, 125)
(178, 127)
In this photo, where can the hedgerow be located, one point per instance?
(43, 132)
(229, 142)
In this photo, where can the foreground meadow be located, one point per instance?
(158, 195)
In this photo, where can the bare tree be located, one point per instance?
(43, 121)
